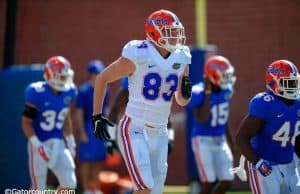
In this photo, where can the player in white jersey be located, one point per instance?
(158, 70)
(46, 121)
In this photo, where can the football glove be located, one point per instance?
(100, 126)
(111, 147)
(240, 170)
(186, 87)
(264, 167)
(42, 150)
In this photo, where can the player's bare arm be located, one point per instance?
(229, 138)
(118, 69)
(29, 114)
(180, 99)
(68, 129)
(202, 112)
(250, 126)
(119, 103)
(68, 133)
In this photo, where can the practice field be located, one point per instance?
(184, 190)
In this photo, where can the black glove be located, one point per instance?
(170, 146)
(186, 87)
(100, 126)
(111, 147)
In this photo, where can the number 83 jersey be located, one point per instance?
(152, 85)
(52, 109)
(274, 142)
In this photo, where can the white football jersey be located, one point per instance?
(152, 85)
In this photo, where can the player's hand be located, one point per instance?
(186, 87)
(100, 126)
(171, 137)
(44, 153)
(264, 167)
(111, 147)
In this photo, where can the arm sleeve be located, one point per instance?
(258, 108)
(124, 83)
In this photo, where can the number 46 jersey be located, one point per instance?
(152, 85)
(274, 142)
(52, 109)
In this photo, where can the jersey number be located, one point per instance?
(283, 134)
(50, 119)
(152, 86)
(219, 114)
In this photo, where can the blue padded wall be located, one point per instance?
(14, 171)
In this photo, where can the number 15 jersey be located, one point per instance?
(152, 85)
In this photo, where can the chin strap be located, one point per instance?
(240, 170)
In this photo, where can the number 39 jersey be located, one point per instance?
(274, 142)
(219, 111)
(152, 85)
(52, 109)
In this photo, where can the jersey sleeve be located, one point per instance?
(31, 96)
(124, 83)
(130, 50)
(197, 95)
(258, 107)
(187, 55)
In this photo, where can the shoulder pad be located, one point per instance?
(184, 54)
(136, 50)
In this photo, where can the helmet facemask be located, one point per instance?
(289, 88)
(61, 81)
(171, 37)
(227, 78)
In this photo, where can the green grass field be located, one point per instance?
(184, 190)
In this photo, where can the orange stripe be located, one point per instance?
(125, 153)
(257, 181)
(32, 167)
(250, 179)
(200, 163)
(132, 156)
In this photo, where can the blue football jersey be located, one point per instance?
(85, 101)
(274, 141)
(52, 109)
(219, 111)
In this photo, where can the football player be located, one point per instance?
(266, 133)
(46, 121)
(158, 71)
(211, 139)
(91, 150)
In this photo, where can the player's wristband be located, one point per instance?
(35, 141)
(171, 134)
